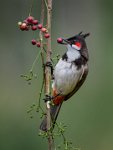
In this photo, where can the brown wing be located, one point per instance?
(78, 85)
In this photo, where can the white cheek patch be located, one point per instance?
(76, 47)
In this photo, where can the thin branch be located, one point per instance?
(48, 59)
(39, 100)
(47, 69)
(41, 38)
(31, 7)
(36, 59)
(48, 75)
(46, 4)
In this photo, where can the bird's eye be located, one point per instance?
(78, 44)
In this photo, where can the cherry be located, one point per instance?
(46, 35)
(34, 27)
(33, 42)
(39, 26)
(43, 29)
(23, 26)
(59, 40)
(35, 22)
(30, 19)
(38, 44)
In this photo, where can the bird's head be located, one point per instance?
(77, 42)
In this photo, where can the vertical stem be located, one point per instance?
(48, 75)
(48, 56)
(41, 37)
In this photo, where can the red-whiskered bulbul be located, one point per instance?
(69, 74)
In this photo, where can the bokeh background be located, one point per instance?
(89, 113)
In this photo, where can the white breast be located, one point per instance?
(72, 53)
(66, 77)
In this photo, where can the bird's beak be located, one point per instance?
(65, 42)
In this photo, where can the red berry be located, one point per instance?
(38, 44)
(30, 19)
(35, 22)
(34, 27)
(59, 40)
(33, 42)
(40, 26)
(23, 26)
(43, 29)
(47, 35)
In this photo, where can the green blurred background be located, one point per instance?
(89, 113)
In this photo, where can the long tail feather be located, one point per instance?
(54, 114)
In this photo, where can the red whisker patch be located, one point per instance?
(78, 44)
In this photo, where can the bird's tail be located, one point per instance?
(54, 111)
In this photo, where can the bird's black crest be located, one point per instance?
(78, 35)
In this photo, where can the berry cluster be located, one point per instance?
(33, 24)
(35, 42)
(28, 23)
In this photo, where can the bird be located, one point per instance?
(70, 73)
